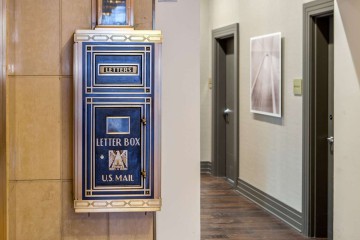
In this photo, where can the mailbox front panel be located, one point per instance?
(117, 126)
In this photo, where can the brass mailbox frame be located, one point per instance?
(125, 205)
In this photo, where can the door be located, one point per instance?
(225, 109)
(229, 108)
(225, 103)
(331, 130)
(323, 109)
(318, 119)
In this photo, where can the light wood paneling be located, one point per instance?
(12, 210)
(38, 128)
(40, 125)
(143, 19)
(10, 33)
(3, 176)
(38, 210)
(37, 24)
(75, 14)
(131, 226)
(10, 127)
(67, 116)
(81, 226)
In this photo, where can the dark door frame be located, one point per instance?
(3, 166)
(217, 35)
(313, 9)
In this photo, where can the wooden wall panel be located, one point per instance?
(3, 188)
(143, 14)
(55, 207)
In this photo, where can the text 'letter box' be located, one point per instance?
(117, 121)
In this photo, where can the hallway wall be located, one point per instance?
(40, 116)
(205, 77)
(347, 119)
(270, 148)
(179, 218)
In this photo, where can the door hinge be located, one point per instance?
(143, 121)
(143, 173)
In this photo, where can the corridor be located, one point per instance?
(225, 214)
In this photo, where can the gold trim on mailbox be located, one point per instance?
(118, 35)
(132, 205)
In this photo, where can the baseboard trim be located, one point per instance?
(282, 211)
(205, 167)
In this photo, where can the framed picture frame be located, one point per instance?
(115, 13)
(265, 74)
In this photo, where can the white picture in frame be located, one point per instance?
(265, 74)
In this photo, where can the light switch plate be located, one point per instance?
(297, 87)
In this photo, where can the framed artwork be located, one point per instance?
(115, 13)
(265, 74)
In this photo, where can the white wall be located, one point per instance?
(270, 148)
(205, 74)
(179, 218)
(347, 119)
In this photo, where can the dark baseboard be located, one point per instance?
(205, 167)
(287, 214)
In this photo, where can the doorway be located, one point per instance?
(318, 119)
(225, 110)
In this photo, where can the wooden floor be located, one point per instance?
(225, 214)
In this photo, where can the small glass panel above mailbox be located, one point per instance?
(115, 13)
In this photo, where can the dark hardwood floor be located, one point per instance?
(225, 214)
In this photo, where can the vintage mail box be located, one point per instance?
(117, 120)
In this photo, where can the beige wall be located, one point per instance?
(347, 119)
(205, 76)
(270, 148)
(40, 115)
(179, 218)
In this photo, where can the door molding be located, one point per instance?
(3, 172)
(310, 10)
(220, 34)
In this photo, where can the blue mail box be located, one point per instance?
(117, 121)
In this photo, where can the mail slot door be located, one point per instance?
(118, 154)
